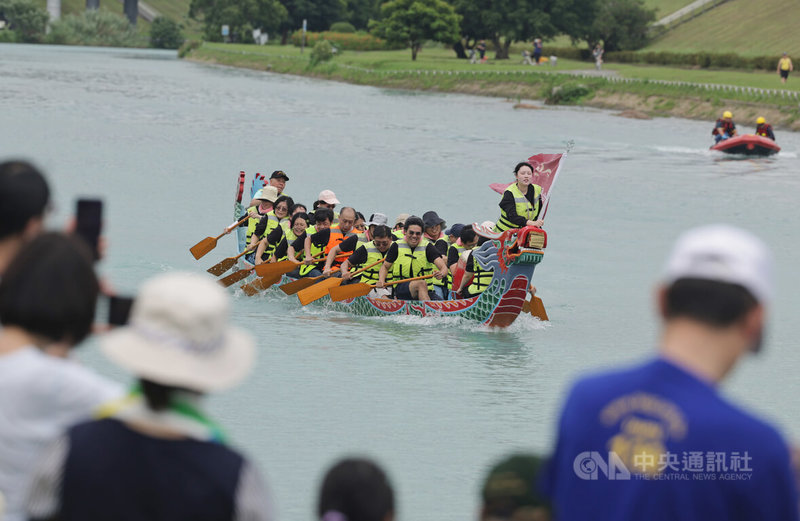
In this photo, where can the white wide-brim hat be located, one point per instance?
(178, 335)
(723, 253)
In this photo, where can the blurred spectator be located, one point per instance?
(510, 491)
(155, 454)
(47, 302)
(24, 198)
(658, 441)
(356, 489)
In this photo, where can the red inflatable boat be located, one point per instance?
(748, 145)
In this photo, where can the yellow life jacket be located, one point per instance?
(434, 281)
(335, 238)
(523, 207)
(398, 234)
(272, 222)
(371, 275)
(411, 264)
(460, 249)
(252, 223)
(288, 237)
(480, 280)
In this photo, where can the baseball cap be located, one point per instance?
(328, 196)
(512, 483)
(723, 253)
(377, 219)
(270, 193)
(279, 174)
(454, 230)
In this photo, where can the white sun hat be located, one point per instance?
(179, 336)
(328, 196)
(723, 253)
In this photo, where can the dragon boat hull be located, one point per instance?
(512, 255)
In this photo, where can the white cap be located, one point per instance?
(723, 253)
(328, 196)
(179, 335)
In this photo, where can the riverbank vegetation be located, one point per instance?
(571, 82)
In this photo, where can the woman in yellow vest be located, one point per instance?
(269, 230)
(521, 202)
(296, 231)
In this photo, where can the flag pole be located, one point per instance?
(570, 144)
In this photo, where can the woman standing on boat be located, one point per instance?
(521, 202)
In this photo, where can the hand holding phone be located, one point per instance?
(89, 217)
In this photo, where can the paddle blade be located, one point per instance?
(259, 285)
(203, 247)
(537, 309)
(234, 277)
(221, 267)
(275, 268)
(290, 288)
(318, 290)
(347, 291)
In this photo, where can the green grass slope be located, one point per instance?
(746, 27)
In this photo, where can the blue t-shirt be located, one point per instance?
(655, 442)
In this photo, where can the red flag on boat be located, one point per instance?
(545, 171)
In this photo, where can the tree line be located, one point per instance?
(618, 24)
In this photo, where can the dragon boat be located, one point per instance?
(512, 255)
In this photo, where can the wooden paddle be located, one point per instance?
(235, 277)
(290, 288)
(268, 269)
(360, 288)
(260, 284)
(226, 264)
(284, 266)
(535, 307)
(319, 290)
(209, 243)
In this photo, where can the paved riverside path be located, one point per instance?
(683, 11)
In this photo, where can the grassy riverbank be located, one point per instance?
(640, 91)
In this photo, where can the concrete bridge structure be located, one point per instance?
(133, 9)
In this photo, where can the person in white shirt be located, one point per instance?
(47, 302)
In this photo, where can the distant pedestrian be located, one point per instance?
(597, 53)
(156, 454)
(47, 304)
(785, 67)
(658, 440)
(355, 489)
(537, 50)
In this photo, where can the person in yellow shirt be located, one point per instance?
(785, 67)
